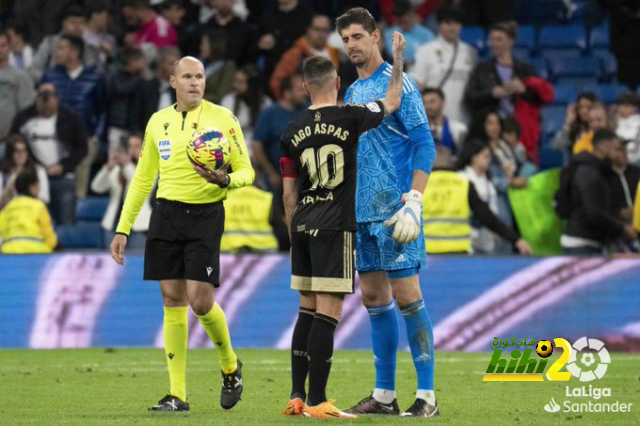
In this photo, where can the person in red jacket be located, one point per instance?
(509, 86)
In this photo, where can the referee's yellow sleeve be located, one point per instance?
(142, 183)
(242, 171)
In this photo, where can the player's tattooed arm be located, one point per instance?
(394, 90)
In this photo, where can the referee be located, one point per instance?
(183, 243)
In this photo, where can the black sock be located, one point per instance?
(320, 350)
(299, 361)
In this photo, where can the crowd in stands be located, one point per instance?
(79, 79)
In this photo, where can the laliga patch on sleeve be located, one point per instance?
(373, 107)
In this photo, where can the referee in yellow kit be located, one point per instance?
(183, 242)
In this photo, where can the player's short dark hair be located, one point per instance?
(96, 6)
(76, 43)
(402, 8)
(24, 181)
(437, 91)
(511, 125)
(603, 135)
(357, 16)
(510, 28)
(450, 12)
(73, 11)
(317, 71)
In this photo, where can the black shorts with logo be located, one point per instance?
(183, 242)
(323, 261)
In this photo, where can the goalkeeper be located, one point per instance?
(183, 244)
(394, 162)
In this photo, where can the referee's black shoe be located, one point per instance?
(231, 388)
(170, 403)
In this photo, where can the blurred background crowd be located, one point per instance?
(512, 89)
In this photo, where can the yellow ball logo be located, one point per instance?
(544, 348)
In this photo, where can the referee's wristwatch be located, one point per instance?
(227, 181)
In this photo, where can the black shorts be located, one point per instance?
(323, 261)
(184, 242)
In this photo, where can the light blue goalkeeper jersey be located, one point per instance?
(385, 153)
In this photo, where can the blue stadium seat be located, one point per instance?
(550, 158)
(526, 37)
(585, 66)
(521, 53)
(563, 36)
(609, 63)
(475, 36)
(539, 12)
(552, 54)
(599, 37)
(91, 209)
(580, 83)
(80, 236)
(541, 66)
(552, 117)
(608, 93)
(564, 94)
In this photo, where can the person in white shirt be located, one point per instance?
(446, 132)
(628, 128)
(446, 63)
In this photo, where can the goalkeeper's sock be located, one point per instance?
(299, 361)
(215, 324)
(384, 336)
(176, 336)
(320, 348)
(420, 337)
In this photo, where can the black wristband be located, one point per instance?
(227, 181)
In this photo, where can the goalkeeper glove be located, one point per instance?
(407, 219)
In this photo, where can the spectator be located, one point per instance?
(446, 132)
(155, 31)
(266, 147)
(576, 123)
(423, 8)
(446, 63)
(628, 128)
(598, 119)
(21, 55)
(406, 21)
(218, 70)
(115, 177)
(25, 224)
(280, 28)
(449, 201)
(623, 183)
(511, 133)
(246, 224)
(187, 32)
(592, 222)
(247, 99)
(18, 159)
(58, 141)
(313, 43)
(96, 33)
(123, 85)
(154, 94)
(240, 47)
(473, 163)
(72, 25)
(509, 86)
(16, 89)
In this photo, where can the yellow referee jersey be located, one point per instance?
(164, 151)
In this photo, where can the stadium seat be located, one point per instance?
(521, 53)
(80, 236)
(599, 37)
(539, 12)
(580, 83)
(608, 93)
(563, 36)
(552, 118)
(526, 37)
(541, 66)
(550, 158)
(564, 94)
(475, 36)
(585, 66)
(91, 209)
(609, 63)
(551, 54)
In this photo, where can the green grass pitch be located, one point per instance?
(115, 386)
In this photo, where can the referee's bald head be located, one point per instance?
(190, 59)
(318, 72)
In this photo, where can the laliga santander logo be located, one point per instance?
(587, 360)
(590, 359)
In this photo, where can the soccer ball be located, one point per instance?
(208, 147)
(544, 348)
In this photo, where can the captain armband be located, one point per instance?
(288, 168)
